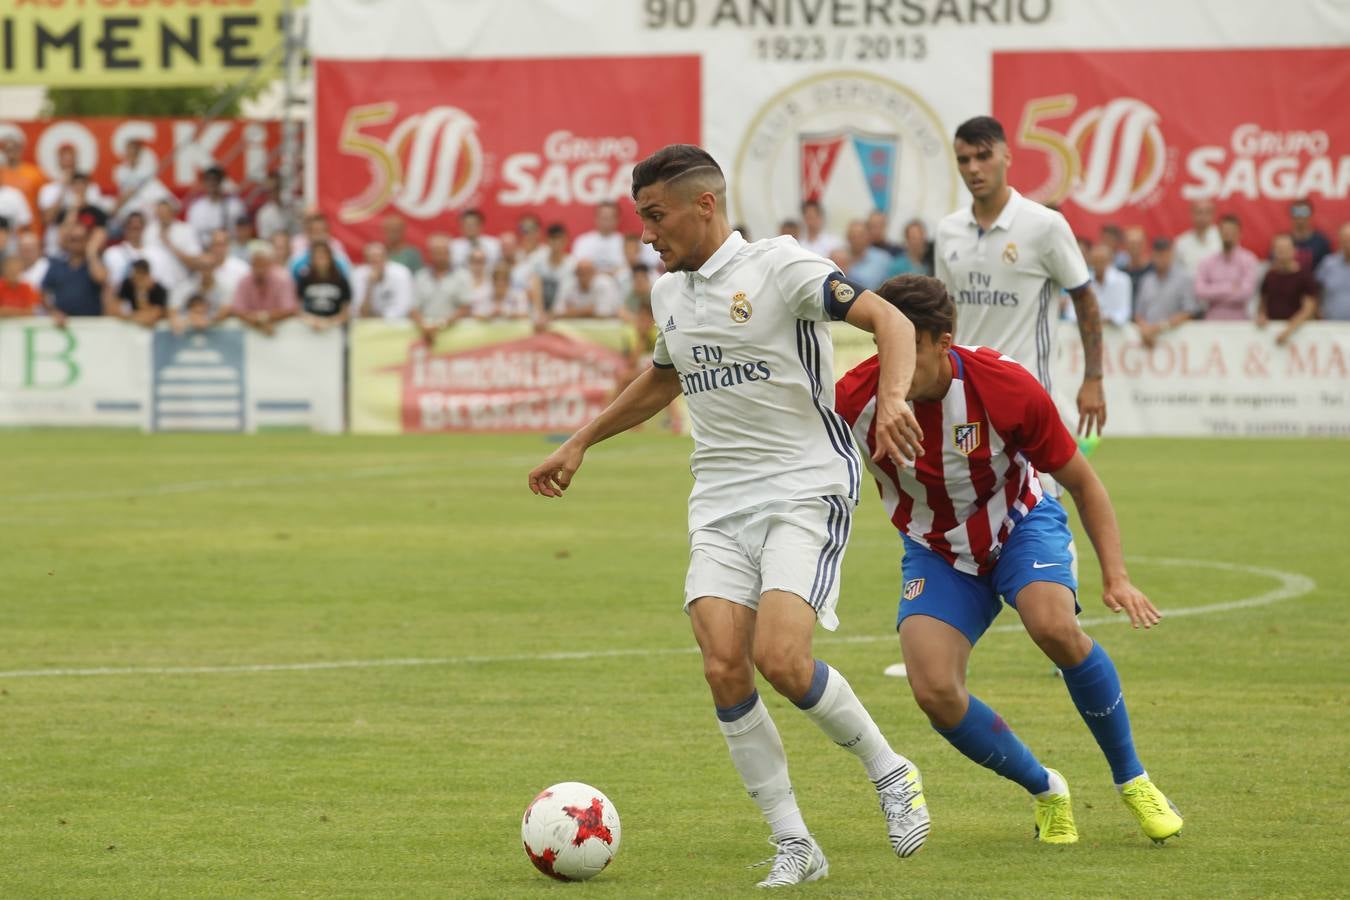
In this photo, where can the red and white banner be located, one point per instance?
(1132, 137)
(244, 148)
(429, 138)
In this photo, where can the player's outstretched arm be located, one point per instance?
(1091, 396)
(899, 436)
(1099, 519)
(649, 393)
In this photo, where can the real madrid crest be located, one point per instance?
(740, 308)
(842, 290)
(1010, 253)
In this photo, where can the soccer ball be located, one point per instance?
(570, 831)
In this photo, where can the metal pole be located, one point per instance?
(289, 126)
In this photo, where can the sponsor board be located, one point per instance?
(428, 139)
(1108, 138)
(104, 372)
(242, 147)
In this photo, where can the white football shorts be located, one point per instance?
(785, 545)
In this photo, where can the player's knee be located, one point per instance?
(1063, 641)
(728, 674)
(786, 669)
(942, 700)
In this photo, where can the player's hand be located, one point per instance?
(1091, 407)
(553, 476)
(1121, 596)
(899, 437)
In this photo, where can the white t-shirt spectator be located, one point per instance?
(35, 273)
(438, 297)
(181, 235)
(1189, 249)
(823, 244)
(14, 209)
(603, 300)
(605, 250)
(224, 279)
(514, 305)
(1113, 297)
(269, 220)
(391, 298)
(206, 215)
(461, 247)
(118, 258)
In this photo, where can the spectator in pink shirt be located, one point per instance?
(267, 295)
(1225, 283)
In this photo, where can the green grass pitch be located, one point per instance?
(407, 779)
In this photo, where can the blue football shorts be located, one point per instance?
(1038, 549)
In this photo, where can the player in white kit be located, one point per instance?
(743, 335)
(1005, 259)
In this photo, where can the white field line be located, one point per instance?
(1291, 585)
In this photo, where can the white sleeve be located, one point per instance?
(800, 276)
(660, 353)
(1063, 260)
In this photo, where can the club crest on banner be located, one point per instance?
(966, 437)
(851, 141)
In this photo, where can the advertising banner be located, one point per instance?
(1110, 138)
(853, 104)
(486, 376)
(1219, 379)
(104, 372)
(429, 138)
(123, 43)
(241, 146)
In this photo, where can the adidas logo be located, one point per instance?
(670, 325)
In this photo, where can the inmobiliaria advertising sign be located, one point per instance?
(1133, 137)
(485, 376)
(429, 138)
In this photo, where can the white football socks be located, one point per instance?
(842, 717)
(757, 753)
(1057, 785)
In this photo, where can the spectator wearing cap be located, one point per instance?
(1334, 276)
(17, 297)
(472, 238)
(1310, 244)
(215, 208)
(1201, 240)
(73, 285)
(1225, 283)
(396, 244)
(267, 295)
(1288, 292)
(143, 300)
(1165, 299)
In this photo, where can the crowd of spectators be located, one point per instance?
(69, 250)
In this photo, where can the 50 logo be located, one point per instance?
(431, 162)
(1111, 156)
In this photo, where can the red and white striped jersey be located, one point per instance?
(983, 444)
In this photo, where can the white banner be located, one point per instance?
(104, 372)
(851, 102)
(1218, 379)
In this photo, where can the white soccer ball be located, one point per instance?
(570, 831)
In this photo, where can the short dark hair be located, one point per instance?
(981, 131)
(1229, 217)
(140, 265)
(924, 301)
(811, 204)
(557, 229)
(672, 161)
(1162, 243)
(471, 211)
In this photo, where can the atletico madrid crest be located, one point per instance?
(913, 588)
(966, 437)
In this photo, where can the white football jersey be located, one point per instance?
(1006, 281)
(747, 334)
